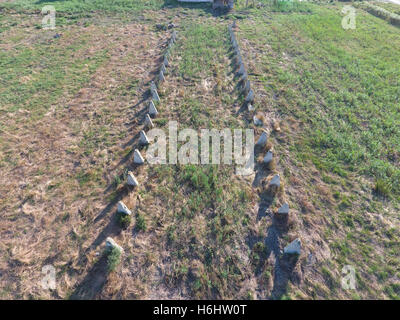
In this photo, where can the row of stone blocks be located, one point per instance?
(143, 139)
(283, 212)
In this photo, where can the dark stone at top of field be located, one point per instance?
(57, 35)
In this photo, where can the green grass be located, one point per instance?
(89, 6)
(341, 86)
(113, 259)
(288, 6)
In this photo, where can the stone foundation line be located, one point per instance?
(148, 123)
(240, 71)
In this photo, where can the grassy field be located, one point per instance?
(71, 108)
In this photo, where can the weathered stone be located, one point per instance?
(284, 210)
(122, 208)
(262, 141)
(268, 157)
(250, 96)
(143, 140)
(111, 244)
(161, 76)
(293, 248)
(137, 157)
(257, 121)
(148, 122)
(276, 181)
(132, 181)
(152, 109)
